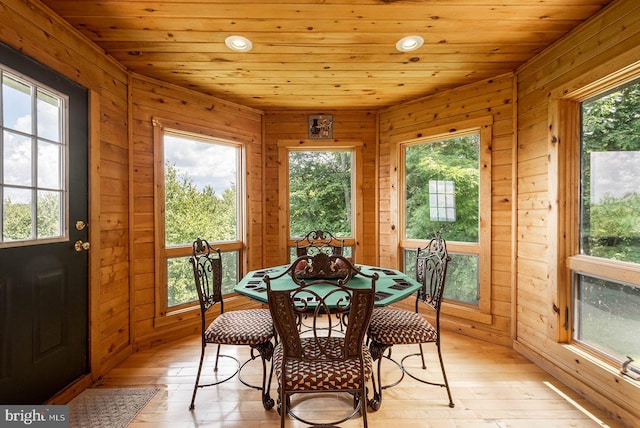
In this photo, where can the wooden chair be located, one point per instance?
(322, 359)
(390, 327)
(319, 240)
(251, 327)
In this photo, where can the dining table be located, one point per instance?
(391, 286)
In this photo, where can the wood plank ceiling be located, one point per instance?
(323, 54)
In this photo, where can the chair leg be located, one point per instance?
(376, 401)
(195, 388)
(363, 406)
(444, 375)
(215, 367)
(267, 401)
(424, 365)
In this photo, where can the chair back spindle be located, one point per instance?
(207, 272)
(431, 272)
(319, 241)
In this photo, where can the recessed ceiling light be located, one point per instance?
(409, 43)
(238, 43)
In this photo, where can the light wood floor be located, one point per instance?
(492, 386)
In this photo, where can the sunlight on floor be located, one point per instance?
(576, 405)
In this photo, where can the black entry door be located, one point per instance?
(44, 286)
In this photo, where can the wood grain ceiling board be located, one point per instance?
(324, 54)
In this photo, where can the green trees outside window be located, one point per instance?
(201, 201)
(320, 193)
(442, 197)
(607, 312)
(32, 167)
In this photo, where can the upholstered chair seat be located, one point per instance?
(246, 327)
(320, 374)
(398, 327)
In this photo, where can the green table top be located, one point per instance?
(392, 285)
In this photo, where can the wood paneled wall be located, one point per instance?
(31, 28)
(492, 97)
(347, 125)
(176, 108)
(605, 44)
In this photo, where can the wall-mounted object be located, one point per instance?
(320, 126)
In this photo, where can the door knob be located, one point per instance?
(81, 246)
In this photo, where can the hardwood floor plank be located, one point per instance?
(492, 386)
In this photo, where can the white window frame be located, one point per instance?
(64, 160)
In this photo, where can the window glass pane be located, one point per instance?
(30, 165)
(230, 270)
(48, 116)
(17, 214)
(49, 165)
(320, 193)
(608, 316)
(17, 159)
(462, 279)
(49, 210)
(610, 192)
(462, 276)
(200, 190)
(442, 188)
(16, 102)
(181, 287)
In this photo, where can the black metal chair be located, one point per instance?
(251, 327)
(390, 327)
(322, 359)
(319, 240)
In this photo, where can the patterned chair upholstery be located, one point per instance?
(322, 359)
(390, 327)
(251, 327)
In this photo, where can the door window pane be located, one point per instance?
(49, 164)
(16, 103)
(49, 214)
(17, 214)
(32, 163)
(320, 192)
(49, 115)
(17, 159)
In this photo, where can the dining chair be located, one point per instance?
(322, 359)
(319, 240)
(250, 327)
(390, 327)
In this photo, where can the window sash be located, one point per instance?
(33, 162)
(166, 312)
(481, 312)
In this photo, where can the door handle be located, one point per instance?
(81, 246)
